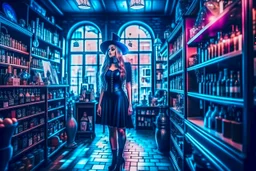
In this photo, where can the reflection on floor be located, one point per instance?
(140, 154)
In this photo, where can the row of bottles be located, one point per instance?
(28, 140)
(161, 58)
(146, 112)
(28, 124)
(144, 121)
(53, 114)
(254, 24)
(176, 66)
(19, 96)
(23, 112)
(12, 58)
(176, 45)
(7, 77)
(9, 41)
(176, 82)
(225, 120)
(53, 94)
(55, 126)
(43, 33)
(222, 44)
(226, 85)
(37, 63)
(39, 51)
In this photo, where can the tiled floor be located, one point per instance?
(140, 154)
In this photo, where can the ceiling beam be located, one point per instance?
(173, 6)
(103, 4)
(128, 6)
(166, 6)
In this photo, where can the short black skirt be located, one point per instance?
(114, 110)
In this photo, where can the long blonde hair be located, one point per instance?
(106, 64)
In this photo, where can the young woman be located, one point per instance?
(115, 106)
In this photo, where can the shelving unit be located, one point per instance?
(213, 145)
(32, 135)
(145, 117)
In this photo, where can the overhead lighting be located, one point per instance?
(83, 4)
(137, 4)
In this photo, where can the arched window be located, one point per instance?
(84, 56)
(139, 39)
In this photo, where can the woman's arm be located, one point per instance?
(101, 95)
(129, 92)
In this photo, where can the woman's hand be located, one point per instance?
(99, 110)
(130, 110)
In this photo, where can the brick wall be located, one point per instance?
(109, 24)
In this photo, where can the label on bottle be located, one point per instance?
(5, 104)
(27, 99)
(232, 89)
(235, 89)
(21, 100)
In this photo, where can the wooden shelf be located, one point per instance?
(199, 121)
(56, 108)
(176, 73)
(56, 86)
(13, 49)
(15, 26)
(37, 69)
(51, 44)
(175, 54)
(45, 19)
(55, 118)
(218, 99)
(216, 24)
(177, 126)
(190, 164)
(215, 60)
(55, 133)
(22, 105)
(177, 112)
(177, 147)
(27, 130)
(13, 65)
(39, 57)
(28, 148)
(31, 116)
(56, 150)
(22, 86)
(173, 160)
(51, 100)
(177, 91)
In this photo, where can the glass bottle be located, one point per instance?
(207, 84)
(211, 119)
(210, 85)
(9, 77)
(32, 97)
(27, 96)
(21, 97)
(238, 38)
(16, 97)
(220, 44)
(237, 86)
(214, 88)
(223, 83)
(207, 115)
(200, 85)
(232, 39)
(218, 119)
(5, 100)
(219, 84)
(10, 98)
(231, 85)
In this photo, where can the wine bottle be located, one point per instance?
(231, 84)
(214, 84)
(237, 86)
(211, 119)
(218, 85)
(207, 115)
(223, 83)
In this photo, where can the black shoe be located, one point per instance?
(114, 159)
(120, 164)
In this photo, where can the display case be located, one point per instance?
(86, 118)
(210, 96)
(145, 117)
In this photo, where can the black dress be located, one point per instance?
(114, 105)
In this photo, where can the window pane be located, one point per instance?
(102, 57)
(145, 58)
(79, 33)
(144, 32)
(91, 32)
(91, 59)
(74, 80)
(76, 71)
(132, 44)
(77, 45)
(91, 45)
(132, 31)
(132, 58)
(145, 80)
(91, 73)
(135, 83)
(74, 89)
(145, 45)
(76, 59)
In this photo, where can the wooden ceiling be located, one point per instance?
(153, 7)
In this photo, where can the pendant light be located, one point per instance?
(83, 4)
(137, 4)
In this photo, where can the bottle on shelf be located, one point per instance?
(214, 86)
(218, 119)
(207, 115)
(223, 83)
(9, 77)
(218, 85)
(211, 119)
(227, 84)
(231, 84)
(237, 86)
